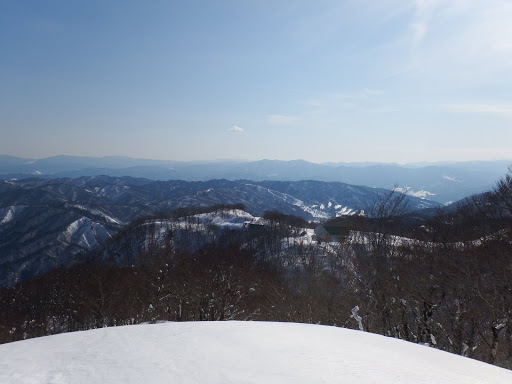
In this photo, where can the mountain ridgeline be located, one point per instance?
(45, 223)
(441, 182)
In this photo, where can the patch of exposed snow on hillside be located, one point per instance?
(157, 230)
(279, 195)
(107, 217)
(233, 218)
(316, 213)
(307, 239)
(422, 194)
(313, 210)
(9, 213)
(112, 191)
(452, 179)
(235, 352)
(87, 240)
(7, 217)
(345, 211)
(99, 213)
(85, 233)
(76, 225)
(310, 234)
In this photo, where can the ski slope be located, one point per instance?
(234, 352)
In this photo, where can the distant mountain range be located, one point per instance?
(45, 223)
(441, 182)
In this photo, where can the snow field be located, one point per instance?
(235, 352)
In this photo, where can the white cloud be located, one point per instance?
(366, 100)
(283, 119)
(236, 128)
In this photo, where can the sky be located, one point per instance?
(343, 80)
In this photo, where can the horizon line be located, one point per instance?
(34, 159)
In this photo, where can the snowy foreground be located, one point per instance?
(234, 352)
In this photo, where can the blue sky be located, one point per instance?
(358, 80)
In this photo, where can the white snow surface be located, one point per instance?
(422, 194)
(235, 352)
(451, 179)
(8, 214)
(99, 213)
(344, 211)
(233, 218)
(85, 233)
(313, 210)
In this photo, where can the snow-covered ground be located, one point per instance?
(84, 233)
(99, 213)
(229, 218)
(422, 194)
(8, 214)
(234, 352)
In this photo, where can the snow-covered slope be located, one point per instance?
(85, 233)
(235, 352)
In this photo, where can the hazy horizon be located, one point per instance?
(393, 81)
(219, 160)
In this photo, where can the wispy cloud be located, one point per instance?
(236, 128)
(327, 108)
(419, 30)
(502, 109)
(368, 100)
(424, 11)
(283, 119)
(365, 93)
(312, 102)
(469, 39)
